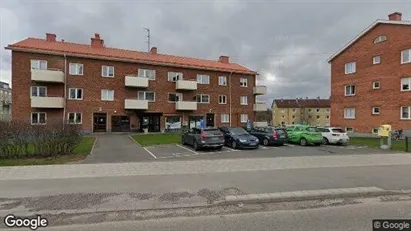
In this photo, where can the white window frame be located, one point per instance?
(380, 39)
(171, 75)
(107, 71)
(76, 97)
(374, 112)
(203, 79)
(38, 118)
(38, 87)
(222, 80)
(375, 61)
(243, 82)
(145, 96)
(75, 117)
(107, 94)
(77, 72)
(225, 118)
(179, 95)
(409, 112)
(379, 85)
(346, 114)
(351, 91)
(222, 101)
(241, 100)
(143, 73)
(37, 63)
(201, 98)
(409, 56)
(408, 79)
(353, 69)
(349, 128)
(242, 119)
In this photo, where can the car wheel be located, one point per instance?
(265, 142)
(195, 146)
(325, 140)
(303, 142)
(234, 145)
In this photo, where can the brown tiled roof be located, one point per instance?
(74, 49)
(299, 103)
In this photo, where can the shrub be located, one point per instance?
(20, 139)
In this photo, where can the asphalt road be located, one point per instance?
(355, 217)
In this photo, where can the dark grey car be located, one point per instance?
(203, 138)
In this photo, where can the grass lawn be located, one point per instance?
(397, 145)
(154, 139)
(80, 152)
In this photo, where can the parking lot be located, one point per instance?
(180, 152)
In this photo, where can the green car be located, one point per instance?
(304, 134)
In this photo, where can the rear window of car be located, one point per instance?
(338, 130)
(323, 130)
(312, 129)
(212, 132)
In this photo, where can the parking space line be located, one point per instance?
(233, 150)
(290, 145)
(155, 157)
(187, 149)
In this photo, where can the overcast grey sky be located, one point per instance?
(287, 42)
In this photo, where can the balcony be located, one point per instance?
(50, 75)
(260, 90)
(135, 81)
(136, 104)
(186, 85)
(186, 105)
(260, 106)
(47, 102)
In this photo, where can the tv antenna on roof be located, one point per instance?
(148, 39)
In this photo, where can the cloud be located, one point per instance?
(288, 41)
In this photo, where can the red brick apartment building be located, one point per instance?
(371, 78)
(109, 89)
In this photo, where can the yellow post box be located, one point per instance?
(384, 130)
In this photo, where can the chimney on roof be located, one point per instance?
(97, 42)
(306, 98)
(396, 16)
(318, 98)
(50, 37)
(224, 59)
(153, 50)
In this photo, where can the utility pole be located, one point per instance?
(148, 39)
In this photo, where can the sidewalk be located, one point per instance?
(196, 167)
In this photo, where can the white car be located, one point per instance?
(334, 135)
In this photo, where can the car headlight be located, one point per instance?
(243, 141)
(257, 140)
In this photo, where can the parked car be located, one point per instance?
(237, 137)
(203, 138)
(304, 134)
(334, 135)
(270, 135)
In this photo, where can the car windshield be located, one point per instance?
(280, 131)
(238, 131)
(212, 132)
(338, 130)
(312, 129)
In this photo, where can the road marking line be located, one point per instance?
(290, 145)
(233, 150)
(94, 145)
(187, 149)
(155, 157)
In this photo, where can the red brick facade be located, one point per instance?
(92, 83)
(389, 97)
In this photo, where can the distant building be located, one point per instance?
(5, 101)
(314, 112)
(371, 78)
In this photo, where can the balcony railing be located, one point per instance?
(47, 102)
(136, 81)
(186, 85)
(136, 104)
(49, 75)
(260, 90)
(186, 105)
(260, 106)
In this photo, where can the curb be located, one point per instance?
(305, 195)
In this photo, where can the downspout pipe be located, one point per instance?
(229, 90)
(65, 89)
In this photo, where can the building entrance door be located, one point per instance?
(209, 120)
(99, 122)
(120, 123)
